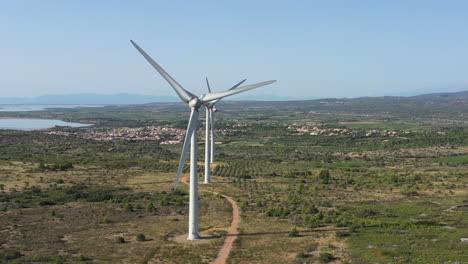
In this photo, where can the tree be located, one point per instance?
(150, 208)
(270, 211)
(140, 237)
(324, 176)
(326, 257)
(293, 233)
(312, 209)
(128, 207)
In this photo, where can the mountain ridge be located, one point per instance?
(127, 99)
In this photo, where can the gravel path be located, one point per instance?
(232, 231)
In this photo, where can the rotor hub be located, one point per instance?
(195, 103)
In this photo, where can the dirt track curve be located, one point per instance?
(232, 232)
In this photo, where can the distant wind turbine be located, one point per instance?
(210, 131)
(194, 103)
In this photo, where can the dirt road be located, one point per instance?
(232, 232)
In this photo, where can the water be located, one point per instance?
(32, 124)
(27, 107)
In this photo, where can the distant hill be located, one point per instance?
(123, 99)
(463, 94)
(111, 99)
(447, 107)
(435, 89)
(127, 99)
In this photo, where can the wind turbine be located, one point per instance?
(194, 102)
(210, 132)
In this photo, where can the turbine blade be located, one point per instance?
(185, 148)
(208, 85)
(213, 96)
(183, 94)
(237, 85)
(232, 88)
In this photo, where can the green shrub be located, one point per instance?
(367, 212)
(9, 254)
(409, 192)
(119, 240)
(83, 258)
(150, 208)
(313, 223)
(128, 207)
(293, 233)
(342, 234)
(49, 259)
(312, 209)
(326, 257)
(324, 176)
(302, 255)
(244, 205)
(140, 237)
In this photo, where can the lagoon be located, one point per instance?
(32, 124)
(38, 107)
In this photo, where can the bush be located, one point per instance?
(83, 258)
(367, 212)
(49, 259)
(342, 234)
(312, 209)
(55, 167)
(326, 257)
(244, 205)
(46, 202)
(140, 237)
(150, 208)
(301, 255)
(313, 223)
(119, 240)
(9, 254)
(324, 176)
(270, 211)
(409, 192)
(128, 207)
(293, 233)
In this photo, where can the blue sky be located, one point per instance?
(313, 48)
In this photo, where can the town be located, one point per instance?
(315, 129)
(166, 135)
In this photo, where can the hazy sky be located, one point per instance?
(326, 48)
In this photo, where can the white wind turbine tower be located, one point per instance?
(210, 132)
(194, 103)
